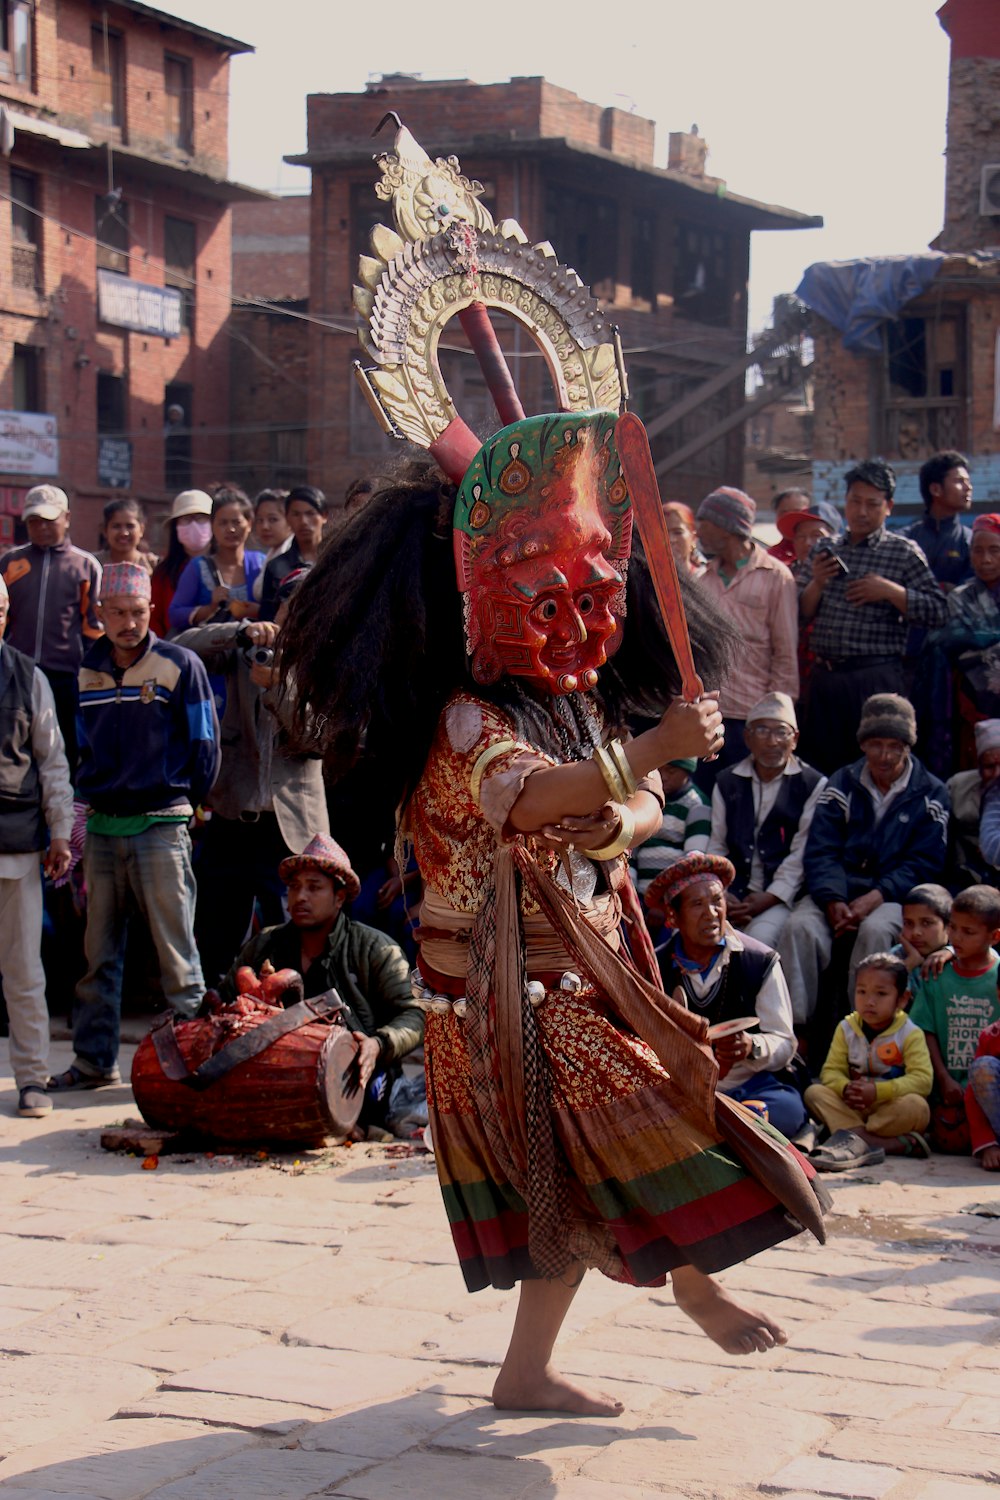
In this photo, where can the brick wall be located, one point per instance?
(270, 384)
(271, 248)
(145, 43)
(61, 318)
(526, 108)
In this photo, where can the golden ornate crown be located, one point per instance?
(446, 258)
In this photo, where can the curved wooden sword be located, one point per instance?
(647, 507)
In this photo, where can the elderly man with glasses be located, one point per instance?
(762, 809)
(880, 828)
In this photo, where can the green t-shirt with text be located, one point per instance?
(955, 1010)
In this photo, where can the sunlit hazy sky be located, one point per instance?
(835, 109)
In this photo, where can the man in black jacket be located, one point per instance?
(366, 968)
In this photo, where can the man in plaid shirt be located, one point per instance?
(866, 590)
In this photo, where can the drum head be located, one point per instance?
(343, 1104)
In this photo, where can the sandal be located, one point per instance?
(74, 1078)
(844, 1150)
(914, 1144)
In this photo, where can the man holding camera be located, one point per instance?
(866, 590)
(267, 802)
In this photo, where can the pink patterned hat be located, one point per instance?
(125, 581)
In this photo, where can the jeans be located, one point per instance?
(150, 875)
(984, 1081)
(785, 1109)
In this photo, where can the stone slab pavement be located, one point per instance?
(273, 1327)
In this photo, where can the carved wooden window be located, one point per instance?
(178, 91)
(924, 384)
(107, 78)
(26, 231)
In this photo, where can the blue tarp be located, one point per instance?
(857, 296)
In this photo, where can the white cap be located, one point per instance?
(190, 503)
(987, 733)
(46, 501)
(775, 706)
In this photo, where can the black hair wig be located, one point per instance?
(374, 642)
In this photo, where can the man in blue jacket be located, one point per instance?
(880, 828)
(149, 753)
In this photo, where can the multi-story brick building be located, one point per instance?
(932, 378)
(114, 253)
(666, 249)
(270, 371)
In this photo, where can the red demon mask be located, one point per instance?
(543, 529)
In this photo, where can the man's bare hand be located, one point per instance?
(863, 906)
(595, 831)
(57, 861)
(840, 917)
(874, 589)
(825, 568)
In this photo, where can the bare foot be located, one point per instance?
(738, 1330)
(989, 1159)
(550, 1391)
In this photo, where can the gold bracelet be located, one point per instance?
(617, 790)
(617, 751)
(624, 840)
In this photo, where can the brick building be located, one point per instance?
(931, 379)
(270, 373)
(667, 249)
(114, 349)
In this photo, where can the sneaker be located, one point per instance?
(33, 1102)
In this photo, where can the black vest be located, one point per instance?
(22, 822)
(737, 995)
(774, 838)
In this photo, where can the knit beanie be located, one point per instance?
(731, 510)
(888, 716)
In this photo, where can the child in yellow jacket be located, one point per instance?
(874, 1085)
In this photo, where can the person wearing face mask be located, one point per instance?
(189, 531)
(219, 584)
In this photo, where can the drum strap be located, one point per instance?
(243, 1048)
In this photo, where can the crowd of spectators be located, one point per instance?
(824, 893)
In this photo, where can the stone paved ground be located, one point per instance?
(238, 1329)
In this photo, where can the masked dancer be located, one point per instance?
(573, 1107)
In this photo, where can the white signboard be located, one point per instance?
(29, 443)
(133, 304)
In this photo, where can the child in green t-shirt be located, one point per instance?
(953, 1008)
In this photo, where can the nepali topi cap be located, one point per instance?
(324, 854)
(664, 890)
(775, 705)
(125, 580)
(987, 736)
(46, 501)
(988, 522)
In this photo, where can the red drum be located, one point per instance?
(252, 1072)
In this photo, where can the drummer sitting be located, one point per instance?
(367, 969)
(724, 975)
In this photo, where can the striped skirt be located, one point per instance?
(651, 1188)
